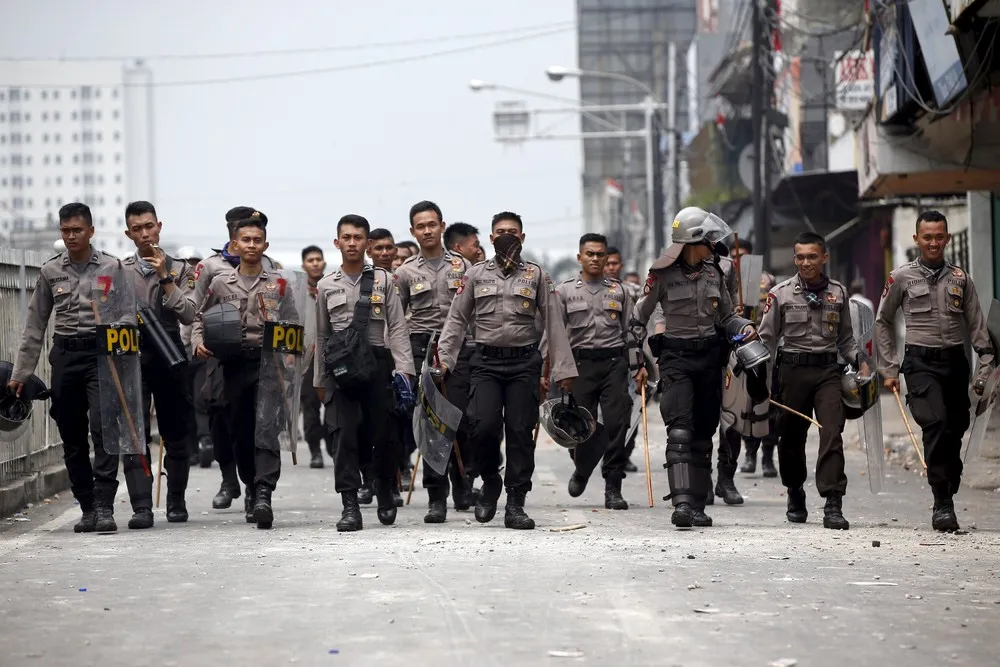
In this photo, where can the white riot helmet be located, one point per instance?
(693, 225)
(189, 253)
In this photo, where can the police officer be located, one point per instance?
(766, 444)
(382, 249)
(314, 265)
(202, 452)
(359, 420)
(596, 310)
(500, 298)
(224, 260)
(613, 270)
(687, 282)
(428, 282)
(165, 286)
(939, 303)
(461, 238)
(811, 312)
(64, 286)
(259, 467)
(730, 439)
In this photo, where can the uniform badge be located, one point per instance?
(955, 290)
(888, 286)
(613, 305)
(418, 286)
(614, 316)
(525, 291)
(957, 273)
(650, 281)
(831, 297)
(59, 290)
(378, 310)
(456, 263)
(270, 286)
(191, 283)
(768, 303)
(829, 328)
(525, 304)
(529, 272)
(831, 317)
(715, 304)
(376, 298)
(173, 274)
(484, 290)
(956, 303)
(612, 289)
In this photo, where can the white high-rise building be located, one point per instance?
(73, 131)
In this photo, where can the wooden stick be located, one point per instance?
(159, 475)
(281, 381)
(413, 478)
(739, 271)
(645, 444)
(796, 413)
(909, 429)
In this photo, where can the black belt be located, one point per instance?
(936, 353)
(807, 358)
(589, 354)
(491, 352)
(76, 343)
(381, 352)
(250, 353)
(689, 344)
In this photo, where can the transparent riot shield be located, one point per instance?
(751, 269)
(281, 304)
(113, 303)
(435, 423)
(870, 424)
(982, 409)
(739, 411)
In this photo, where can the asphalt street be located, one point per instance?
(588, 586)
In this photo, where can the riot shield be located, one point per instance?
(751, 269)
(739, 411)
(123, 426)
(870, 424)
(982, 409)
(435, 423)
(281, 306)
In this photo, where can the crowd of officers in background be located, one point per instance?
(500, 336)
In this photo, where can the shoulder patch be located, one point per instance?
(650, 281)
(769, 302)
(461, 286)
(198, 269)
(888, 285)
(958, 273)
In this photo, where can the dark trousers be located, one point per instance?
(503, 397)
(174, 410)
(256, 464)
(809, 389)
(196, 371)
(692, 394)
(76, 404)
(312, 420)
(358, 424)
(730, 442)
(937, 392)
(456, 390)
(604, 383)
(219, 413)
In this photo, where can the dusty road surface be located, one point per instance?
(624, 589)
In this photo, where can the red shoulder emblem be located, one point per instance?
(461, 286)
(768, 303)
(888, 285)
(650, 281)
(197, 270)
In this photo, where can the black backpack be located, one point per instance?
(348, 355)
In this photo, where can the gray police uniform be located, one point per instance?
(313, 428)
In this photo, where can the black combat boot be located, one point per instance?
(350, 519)
(365, 493)
(486, 506)
(797, 512)
(577, 484)
(229, 490)
(437, 511)
(683, 516)
(262, 512)
(700, 519)
(206, 452)
(631, 467)
(709, 497)
(749, 466)
(87, 522)
(513, 515)
(462, 496)
(248, 503)
(397, 497)
(105, 519)
(386, 511)
(767, 461)
(833, 515)
(613, 494)
(943, 517)
(141, 518)
(316, 458)
(725, 488)
(176, 508)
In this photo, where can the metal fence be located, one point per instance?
(38, 447)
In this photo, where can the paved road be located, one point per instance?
(627, 589)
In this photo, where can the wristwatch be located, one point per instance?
(168, 279)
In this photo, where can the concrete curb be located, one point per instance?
(33, 488)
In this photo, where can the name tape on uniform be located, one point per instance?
(284, 337)
(117, 340)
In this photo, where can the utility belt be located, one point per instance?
(501, 353)
(953, 353)
(807, 358)
(683, 346)
(250, 354)
(76, 343)
(590, 354)
(381, 353)
(419, 342)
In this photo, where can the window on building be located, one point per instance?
(27, 160)
(3, 117)
(27, 95)
(15, 116)
(97, 114)
(58, 180)
(118, 135)
(88, 179)
(3, 138)
(118, 200)
(48, 202)
(45, 95)
(59, 159)
(100, 179)
(72, 93)
(45, 138)
(27, 138)
(76, 159)
(114, 114)
(55, 115)
(45, 116)
(27, 116)
(55, 95)
(100, 201)
(15, 94)
(76, 137)
(99, 136)
(73, 115)
(100, 158)
(45, 160)
(57, 137)
(31, 202)
(118, 158)
(85, 114)
(29, 181)
(118, 179)
(97, 93)
(3, 182)
(114, 93)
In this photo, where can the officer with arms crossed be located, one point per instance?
(811, 312)
(259, 463)
(65, 286)
(940, 304)
(361, 335)
(596, 310)
(687, 282)
(500, 298)
(165, 287)
(428, 282)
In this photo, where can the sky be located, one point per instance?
(358, 137)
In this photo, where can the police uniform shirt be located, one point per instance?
(596, 314)
(693, 300)
(215, 265)
(175, 308)
(337, 295)
(823, 326)
(310, 327)
(937, 312)
(427, 288)
(502, 309)
(67, 290)
(728, 267)
(233, 287)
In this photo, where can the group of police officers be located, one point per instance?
(259, 345)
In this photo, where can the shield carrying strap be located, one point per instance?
(363, 308)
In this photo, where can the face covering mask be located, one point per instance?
(508, 249)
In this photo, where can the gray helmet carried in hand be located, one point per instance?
(567, 423)
(693, 225)
(857, 392)
(223, 331)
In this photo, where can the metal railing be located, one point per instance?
(39, 446)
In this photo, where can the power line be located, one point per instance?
(297, 51)
(312, 72)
